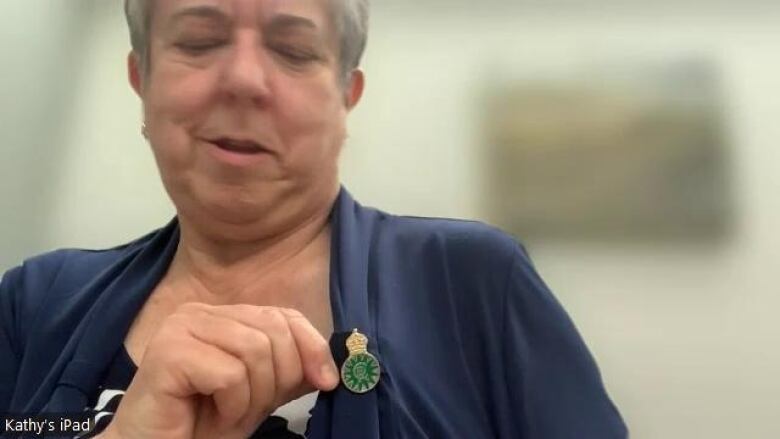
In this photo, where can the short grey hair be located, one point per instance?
(349, 16)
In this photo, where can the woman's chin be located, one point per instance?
(252, 209)
(234, 213)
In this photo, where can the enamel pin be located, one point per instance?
(360, 372)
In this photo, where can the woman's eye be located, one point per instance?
(296, 55)
(199, 47)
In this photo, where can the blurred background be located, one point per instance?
(632, 146)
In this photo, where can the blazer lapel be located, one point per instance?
(341, 413)
(102, 331)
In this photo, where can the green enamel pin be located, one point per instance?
(360, 372)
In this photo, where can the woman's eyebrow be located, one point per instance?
(208, 12)
(285, 22)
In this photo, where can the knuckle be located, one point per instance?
(252, 343)
(274, 317)
(231, 376)
(261, 343)
(291, 312)
(245, 338)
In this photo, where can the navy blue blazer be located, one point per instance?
(471, 342)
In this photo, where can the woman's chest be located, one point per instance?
(310, 297)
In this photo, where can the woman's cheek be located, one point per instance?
(315, 110)
(181, 94)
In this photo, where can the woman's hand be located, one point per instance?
(219, 371)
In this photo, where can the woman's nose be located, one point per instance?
(245, 74)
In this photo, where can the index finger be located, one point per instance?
(318, 365)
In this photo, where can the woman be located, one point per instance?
(272, 283)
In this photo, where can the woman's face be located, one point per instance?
(244, 107)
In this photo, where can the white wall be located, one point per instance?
(685, 335)
(109, 188)
(36, 43)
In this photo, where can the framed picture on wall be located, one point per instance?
(636, 152)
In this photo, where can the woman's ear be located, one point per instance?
(134, 73)
(354, 91)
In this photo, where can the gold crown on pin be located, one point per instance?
(357, 343)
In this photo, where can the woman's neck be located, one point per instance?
(250, 271)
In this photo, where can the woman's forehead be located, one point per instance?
(261, 11)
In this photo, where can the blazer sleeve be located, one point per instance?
(9, 349)
(553, 381)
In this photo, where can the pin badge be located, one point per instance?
(360, 372)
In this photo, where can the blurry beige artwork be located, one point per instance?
(634, 153)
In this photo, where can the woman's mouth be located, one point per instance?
(238, 152)
(239, 146)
